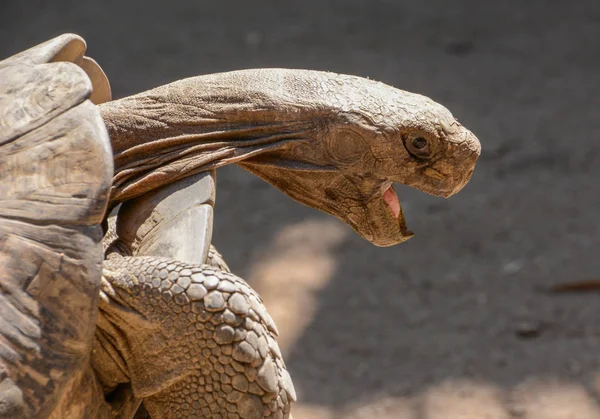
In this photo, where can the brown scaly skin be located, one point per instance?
(330, 141)
(202, 343)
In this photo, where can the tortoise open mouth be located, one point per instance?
(391, 199)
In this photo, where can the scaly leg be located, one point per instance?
(189, 339)
(196, 341)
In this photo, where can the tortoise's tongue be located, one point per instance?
(391, 199)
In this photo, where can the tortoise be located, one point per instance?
(153, 321)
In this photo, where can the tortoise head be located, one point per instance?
(378, 136)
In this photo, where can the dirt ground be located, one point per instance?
(457, 323)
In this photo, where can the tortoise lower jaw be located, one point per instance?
(382, 221)
(388, 242)
(406, 233)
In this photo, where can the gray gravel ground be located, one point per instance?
(455, 323)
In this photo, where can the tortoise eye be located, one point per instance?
(420, 147)
(419, 143)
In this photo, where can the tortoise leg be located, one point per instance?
(190, 338)
(195, 341)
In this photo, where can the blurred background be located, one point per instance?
(457, 323)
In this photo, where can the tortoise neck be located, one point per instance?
(177, 130)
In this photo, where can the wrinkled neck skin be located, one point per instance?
(206, 122)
